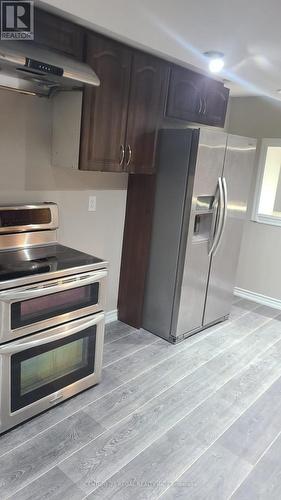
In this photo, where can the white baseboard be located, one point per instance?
(258, 297)
(111, 316)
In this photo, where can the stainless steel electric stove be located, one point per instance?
(52, 301)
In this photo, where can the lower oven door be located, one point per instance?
(44, 369)
(32, 308)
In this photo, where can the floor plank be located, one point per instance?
(253, 432)
(246, 441)
(264, 482)
(55, 485)
(33, 428)
(213, 477)
(129, 397)
(115, 448)
(242, 307)
(24, 464)
(124, 346)
(204, 424)
(157, 404)
(114, 375)
(117, 330)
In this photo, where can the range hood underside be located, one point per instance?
(28, 86)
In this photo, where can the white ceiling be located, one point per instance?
(247, 31)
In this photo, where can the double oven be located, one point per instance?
(52, 301)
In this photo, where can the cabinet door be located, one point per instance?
(146, 108)
(216, 99)
(59, 34)
(105, 108)
(185, 99)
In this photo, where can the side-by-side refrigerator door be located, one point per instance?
(236, 182)
(209, 167)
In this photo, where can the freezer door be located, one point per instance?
(188, 316)
(237, 175)
(171, 209)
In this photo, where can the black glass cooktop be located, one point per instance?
(43, 259)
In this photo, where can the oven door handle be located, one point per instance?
(22, 345)
(33, 292)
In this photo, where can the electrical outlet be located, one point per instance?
(92, 204)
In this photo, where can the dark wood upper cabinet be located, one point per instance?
(185, 94)
(145, 113)
(120, 119)
(105, 108)
(196, 98)
(56, 33)
(216, 99)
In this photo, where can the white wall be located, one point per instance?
(259, 266)
(26, 175)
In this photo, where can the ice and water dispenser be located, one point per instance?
(204, 219)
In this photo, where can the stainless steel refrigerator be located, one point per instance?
(202, 189)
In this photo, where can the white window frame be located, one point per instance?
(256, 217)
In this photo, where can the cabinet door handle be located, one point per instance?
(205, 106)
(122, 155)
(129, 155)
(200, 105)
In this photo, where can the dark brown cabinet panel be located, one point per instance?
(185, 94)
(216, 103)
(146, 110)
(56, 33)
(121, 118)
(136, 244)
(105, 108)
(196, 98)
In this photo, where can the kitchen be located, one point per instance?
(27, 177)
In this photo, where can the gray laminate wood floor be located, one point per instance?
(199, 420)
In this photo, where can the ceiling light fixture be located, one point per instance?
(216, 60)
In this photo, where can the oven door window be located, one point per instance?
(42, 370)
(45, 307)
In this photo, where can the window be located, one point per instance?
(267, 202)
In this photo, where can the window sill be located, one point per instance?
(267, 219)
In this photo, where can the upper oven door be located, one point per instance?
(33, 308)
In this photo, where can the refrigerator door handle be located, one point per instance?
(224, 216)
(225, 203)
(218, 216)
(214, 222)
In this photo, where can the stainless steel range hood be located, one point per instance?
(32, 70)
